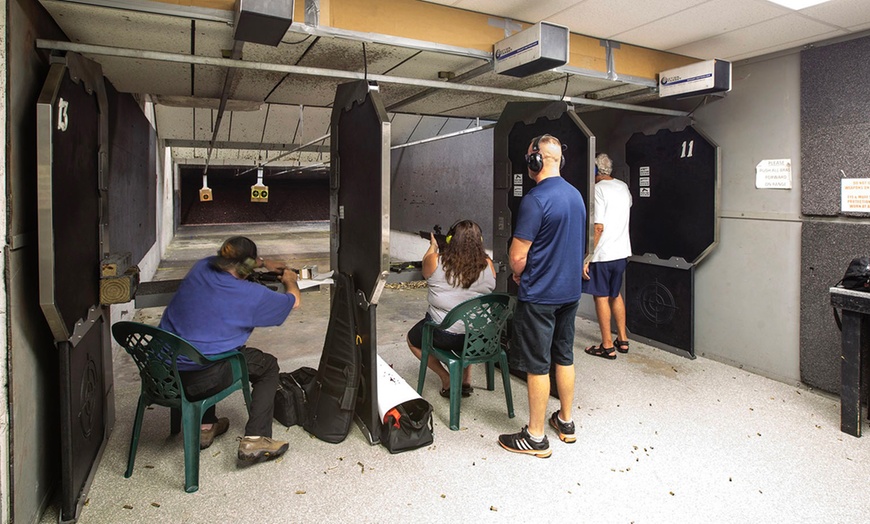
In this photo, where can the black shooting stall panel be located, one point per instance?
(673, 186)
(359, 194)
(132, 177)
(519, 124)
(68, 147)
(82, 411)
(659, 304)
(75, 204)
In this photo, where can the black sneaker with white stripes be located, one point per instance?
(565, 429)
(522, 443)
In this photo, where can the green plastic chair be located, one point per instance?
(485, 318)
(156, 352)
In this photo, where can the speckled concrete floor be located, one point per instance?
(660, 439)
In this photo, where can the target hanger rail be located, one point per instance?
(333, 73)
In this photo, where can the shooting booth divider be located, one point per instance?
(518, 125)
(674, 184)
(72, 161)
(360, 221)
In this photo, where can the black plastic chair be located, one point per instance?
(156, 352)
(485, 318)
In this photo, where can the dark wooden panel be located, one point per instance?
(132, 177)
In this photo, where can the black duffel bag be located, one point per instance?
(857, 275)
(291, 397)
(856, 278)
(407, 426)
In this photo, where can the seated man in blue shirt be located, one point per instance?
(216, 308)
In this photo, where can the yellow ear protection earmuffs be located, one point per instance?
(452, 231)
(535, 160)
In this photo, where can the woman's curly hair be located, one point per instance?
(464, 257)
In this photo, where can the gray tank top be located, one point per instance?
(443, 297)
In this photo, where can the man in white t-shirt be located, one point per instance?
(611, 248)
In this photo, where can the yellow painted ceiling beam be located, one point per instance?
(456, 27)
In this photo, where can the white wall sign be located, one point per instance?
(855, 195)
(773, 174)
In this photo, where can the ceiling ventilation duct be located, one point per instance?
(542, 47)
(263, 21)
(701, 78)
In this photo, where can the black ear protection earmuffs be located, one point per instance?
(535, 160)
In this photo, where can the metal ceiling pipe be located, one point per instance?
(333, 73)
(225, 94)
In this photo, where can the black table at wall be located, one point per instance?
(855, 306)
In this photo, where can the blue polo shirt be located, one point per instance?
(216, 312)
(552, 216)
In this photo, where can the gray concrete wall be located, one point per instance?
(33, 379)
(748, 290)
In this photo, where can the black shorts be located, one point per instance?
(605, 278)
(441, 339)
(543, 334)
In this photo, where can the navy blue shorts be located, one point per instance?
(440, 339)
(543, 334)
(605, 278)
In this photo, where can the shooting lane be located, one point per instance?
(360, 222)
(94, 147)
(519, 124)
(674, 184)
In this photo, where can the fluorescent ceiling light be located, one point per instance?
(797, 5)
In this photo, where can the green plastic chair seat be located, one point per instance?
(485, 319)
(156, 353)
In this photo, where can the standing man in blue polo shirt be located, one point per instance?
(546, 258)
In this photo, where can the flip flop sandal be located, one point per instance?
(466, 391)
(598, 351)
(622, 346)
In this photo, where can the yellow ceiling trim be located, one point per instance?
(446, 25)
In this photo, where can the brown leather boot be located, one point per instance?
(257, 448)
(207, 436)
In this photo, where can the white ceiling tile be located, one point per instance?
(606, 18)
(681, 28)
(843, 13)
(772, 35)
(520, 10)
